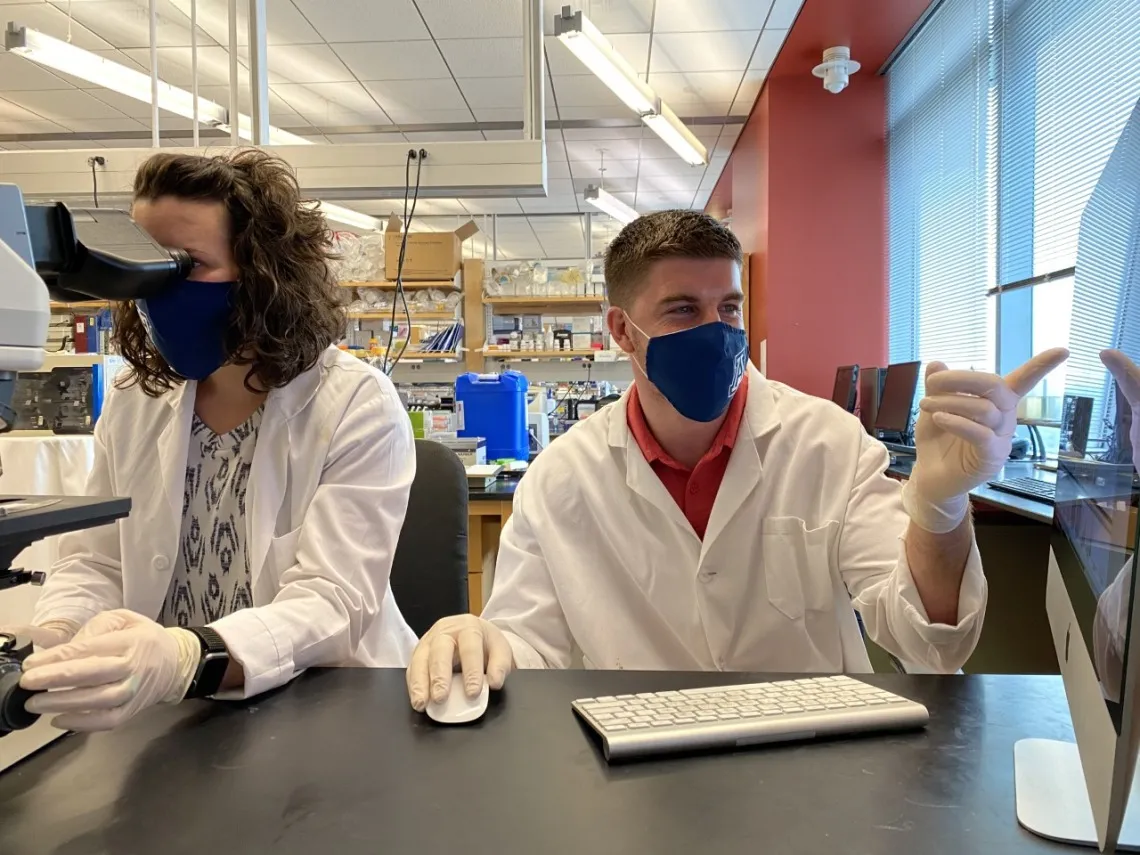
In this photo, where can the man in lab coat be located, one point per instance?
(716, 520)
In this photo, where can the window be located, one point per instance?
(940, 185)
(1054, 82)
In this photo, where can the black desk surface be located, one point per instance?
(1030, 508)
(501, 490)
(338, 763)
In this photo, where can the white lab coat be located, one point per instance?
(328, 491)
(598, 560)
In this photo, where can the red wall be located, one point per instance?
(806, 187)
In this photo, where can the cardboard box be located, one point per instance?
(429, 255)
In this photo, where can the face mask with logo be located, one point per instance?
(187, 324)
(698, 370)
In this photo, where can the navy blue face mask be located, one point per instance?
(187, 324)
(698, 370)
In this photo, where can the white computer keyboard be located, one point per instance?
(733, 716)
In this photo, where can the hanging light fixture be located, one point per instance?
(605, 202)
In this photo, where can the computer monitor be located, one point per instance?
(897, 399)
(870, 388)
(846, 388)
(1076, 417)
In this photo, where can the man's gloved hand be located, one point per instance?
(119, 664)
(465, 640)
(50, 633)
(964, 435)
(1127, 376)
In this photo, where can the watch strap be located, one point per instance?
(215, 659)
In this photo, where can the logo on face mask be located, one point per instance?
(698, 370)
(187, 323)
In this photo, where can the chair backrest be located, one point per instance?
(429, 571)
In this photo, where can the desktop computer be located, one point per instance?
(870, 391)
(893, 419)
(846, 388)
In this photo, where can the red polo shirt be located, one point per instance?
(694, 490)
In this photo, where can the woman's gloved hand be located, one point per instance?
(48, 634)
(119, 664)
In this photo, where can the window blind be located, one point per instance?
(940, 190)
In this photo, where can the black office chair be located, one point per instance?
(429, 571)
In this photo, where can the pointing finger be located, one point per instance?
(1022, 380)
(1125, 372)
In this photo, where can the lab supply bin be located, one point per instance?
(494, 407)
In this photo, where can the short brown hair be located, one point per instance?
(287, 308)
(664, 234)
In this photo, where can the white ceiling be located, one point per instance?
(390, 70)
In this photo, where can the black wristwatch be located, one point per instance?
(212, 666)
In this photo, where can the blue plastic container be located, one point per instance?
(494, 407)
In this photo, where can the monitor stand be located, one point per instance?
(1052, 801)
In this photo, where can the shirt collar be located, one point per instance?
(651, 448)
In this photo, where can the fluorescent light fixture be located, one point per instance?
(609, 204)
(665, 124)
(595, 51)
(587, 43)
(45, 50)
(61, 56)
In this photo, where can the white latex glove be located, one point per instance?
(964, 435)
(50, 633)
(119, 664)
(1127, 376)
(474, 644)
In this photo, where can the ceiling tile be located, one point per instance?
(701, 198)
(749, 90)
(50, 20)
(713, 171)
(567, 205)
(615, 150)
(103, 125)
(687, 52)
(64, 103)
(702, 109)
(284, 24)
(619, 111)
(669, 185)
(501, 92)
(304, 64)
(633, 132)
(221, 95)
(408, 97)
(448, 19)
(557, 168)
(612, 185)
(415, 116)
(695, 16)
(767, 49)
(343, 139)
(174, 66)
(393, 60)
(492, 57)
(491, 206)
(701, 86)
(56, 145)
(663, 167)
(364, 20)
(663, 201)
(331, 103)
(634, 48)
(503, 135)
(784, 14)
(126, 23)
(20, 74)
(14, 120)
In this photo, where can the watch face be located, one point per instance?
(213, 671)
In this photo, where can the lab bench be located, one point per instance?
(488, 509)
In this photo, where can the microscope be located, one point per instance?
(71, 254)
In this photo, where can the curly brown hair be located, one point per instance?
(287, 308)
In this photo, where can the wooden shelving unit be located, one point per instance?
(513, 355)
(440, 284)
(85, 304)
(400, 316)
(546, 305)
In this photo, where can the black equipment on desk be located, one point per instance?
(846, 390)
(61, 400)
(13, 652)
(1076, 417)
(893, 419)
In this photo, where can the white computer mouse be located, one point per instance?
(458, 708)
